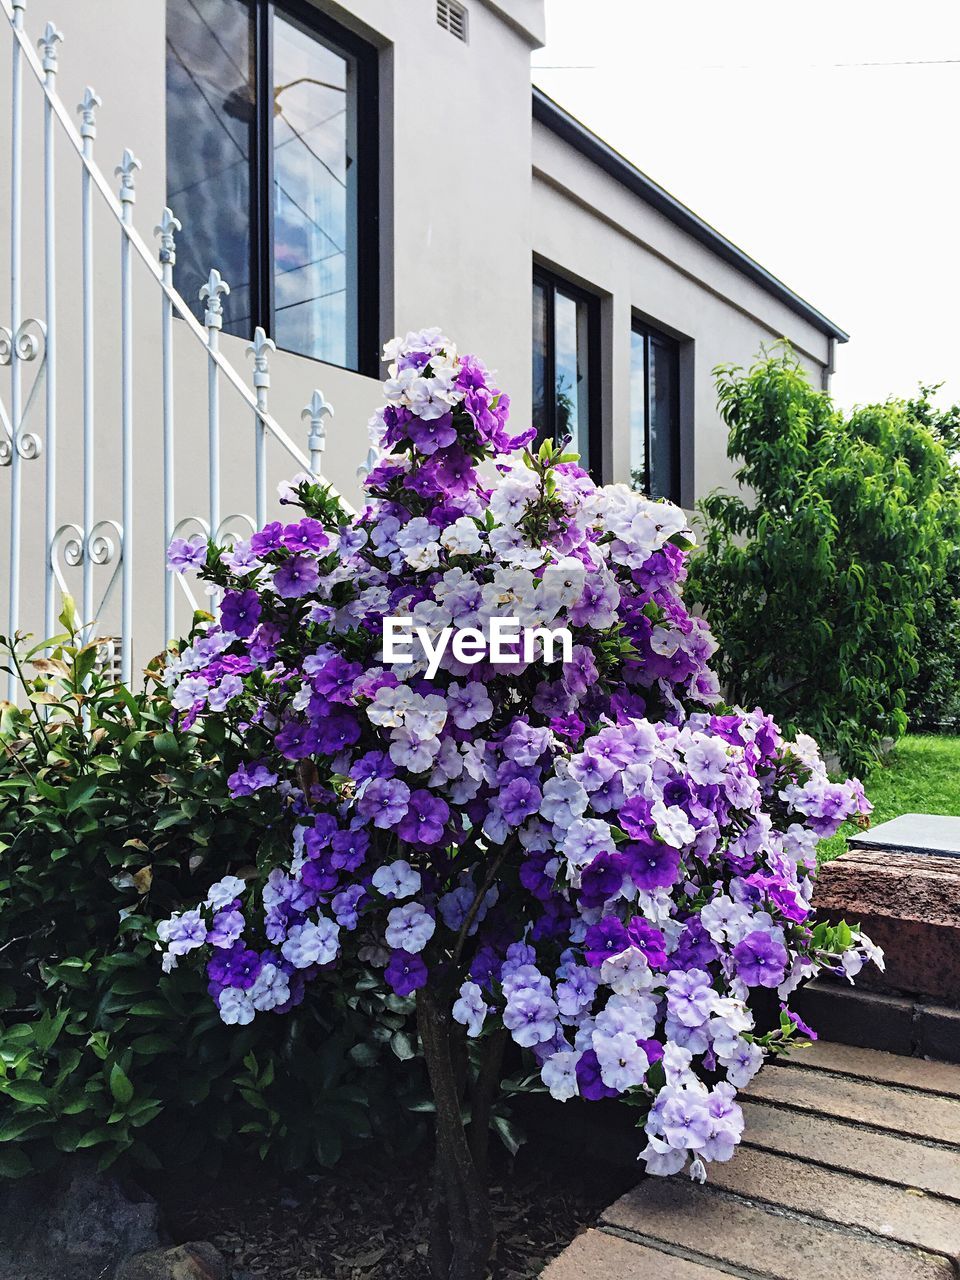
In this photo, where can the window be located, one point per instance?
(271, 168)
(655, 413)
(566, 358)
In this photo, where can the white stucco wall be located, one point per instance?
(590, 227)
(463, 214)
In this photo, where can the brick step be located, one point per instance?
(896, 1024)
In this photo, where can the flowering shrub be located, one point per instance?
(108, 822)
(594, 858)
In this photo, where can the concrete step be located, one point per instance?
(931, 1117)
(833, 1145)
(884, 1209)
(714, 1226)
(849, 1170)
(598, 1255)
(883, 1068)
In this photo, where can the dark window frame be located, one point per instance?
(261, 213)
(653, 335)
(551, 281)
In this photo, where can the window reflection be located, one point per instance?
(314, 148)
(210, 128)
(564, 343)
(655, 413)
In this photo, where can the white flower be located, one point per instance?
(310, 943)
(271, 988)
(397, 880)
(471, 1009)
(409, 928)
(390, 705)
(707, 759)
(224, 892)
(462, 538)
(623, 1064)
(236, 1007)
(409, 750)
(559, 1074)
(192, 689)
(672, 825)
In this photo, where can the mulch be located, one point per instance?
(367, 1219)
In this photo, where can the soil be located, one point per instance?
(367, 1219)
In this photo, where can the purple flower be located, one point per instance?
(405, 972)
(652, 865)
(336, 731)
(188, 553)
(601, 879)
(760, 960)
(305, 535)
(650, 941)
(250, 778)
(605, 939)
(588, 1078)
(424, 820)
(240, 612)
(518, 800)
(385, 801)
(296, 577)
(236, 967)
(429, 436)
(335, 678)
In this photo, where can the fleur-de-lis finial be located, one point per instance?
(260, 349)
(316, 411)
(47, 44)
(126, 171)
(87, 110)
(368, 464)
(166, 229)
(210, 293)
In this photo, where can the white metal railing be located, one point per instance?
(96, 542)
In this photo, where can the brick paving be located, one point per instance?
(849, 1170)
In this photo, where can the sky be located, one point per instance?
(821, 138)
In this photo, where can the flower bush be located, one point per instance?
(594, 858)
(108, 822)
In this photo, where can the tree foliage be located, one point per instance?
(816, 577)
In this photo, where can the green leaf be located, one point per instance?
(27, 1091)
(120, 1085)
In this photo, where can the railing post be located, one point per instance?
(16, 247)
(166, 230)
(260, 349)
(316, 411)
(213, 319)
(88, 132)
(126, 171)
(47, 45)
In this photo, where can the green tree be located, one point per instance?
(817, 576)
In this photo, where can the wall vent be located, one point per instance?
(453, 18)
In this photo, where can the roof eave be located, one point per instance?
(567, 127)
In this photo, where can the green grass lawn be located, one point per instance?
(922, 775)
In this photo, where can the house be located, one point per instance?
(350, 170)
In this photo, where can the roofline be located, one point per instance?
(582, 139)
